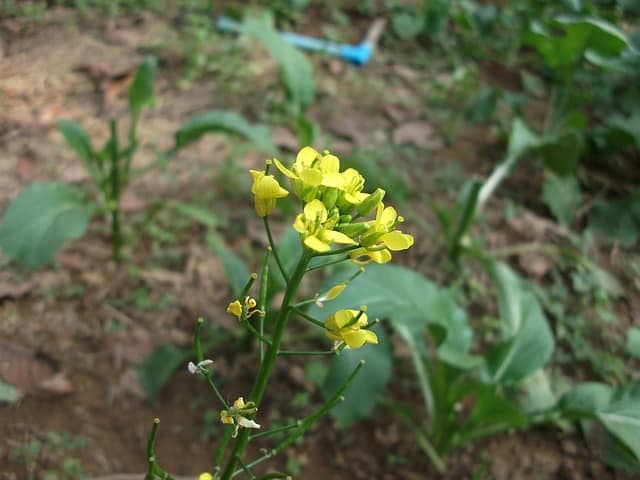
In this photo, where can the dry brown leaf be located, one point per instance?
(420, 134)
(21, 368)
(76, 173)
(130, 346)
(29, 166)
(56, 385)
(285, 139)
(176, 279)
(9, 289)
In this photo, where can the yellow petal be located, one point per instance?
(388, 217)
(235, 308)
(330, 163)
(338, 237)
(343, 317)
(333, 180)
(284, 170)
(306, 156)
(205, 476)
(335, 291)
(311, 176)
(268, 187)
(315, 210)
(396, 240)
(316, 244)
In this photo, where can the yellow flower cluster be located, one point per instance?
(349, 326)
(334, 207)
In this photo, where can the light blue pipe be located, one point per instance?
(357, 54)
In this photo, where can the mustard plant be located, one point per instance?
(338, 222)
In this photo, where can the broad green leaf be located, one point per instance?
(141, 89)
(535, 392)
(40, 220)
(77, 138)
(561, 153)
(491, 414)
(296, 72)
(527, 342)
(363, 393)
(226, 121)
(157, 368)
(407, 299)
(563, 196)
(633, 342)
(618, 219)
(622, 420)
(601, 36)
(585, 399)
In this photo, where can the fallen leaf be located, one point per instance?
(72, 262)
(10, 290)
(28, 372)
(56, 385)
(129, 346)
(420, 134)
(29, 167)
(176, 279)
(76, 173)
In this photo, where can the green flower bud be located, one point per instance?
(370, 203)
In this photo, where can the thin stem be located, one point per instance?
(114, 194)
(273, 431)
(335, 252)
(323, 265)
(253, 330)
(212, 384)
(150, 450)
(262, 300)
(222, 447)
(203, 370)
(308, 317)
(307, 422)
(245, 468)
(265, 219)
(303, 352)
(270, 357)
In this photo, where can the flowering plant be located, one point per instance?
(334, 211)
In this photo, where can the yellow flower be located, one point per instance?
(353, 183)
(312, 170)
(236, 415)
(347, 326)
(266, 190)
(316, 228)
(245, 311)
(235, 308)
(332, 293)
(381, 238)
(205, 476)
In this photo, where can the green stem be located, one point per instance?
(335, 252)
(150, 450)
(270, 356)
(114, 194)
(274, 250)
(309, 318)
(323, 265)
(222, 447)
(304, 352)
(262, 301)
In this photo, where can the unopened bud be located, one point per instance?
(370, 203)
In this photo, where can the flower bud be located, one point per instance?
(370, 203)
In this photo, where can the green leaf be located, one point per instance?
(622, 420)
(77, 138)
(561, 153)
(633, 342)
(234, 267)
(527, 342)
(618, 219)
(40, 220)
(157, 368)
(563, 196)
(600, 36)
(407, 23)
(141, 89)
(296, 72)
(198, 213)
(585, 399)
(224, 121)
(491, 414)
(408, 300)
(363, 393)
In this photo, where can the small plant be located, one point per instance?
(48, 458)
(46, 215)
(335, 211)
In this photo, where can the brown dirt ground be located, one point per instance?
(66, 314)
